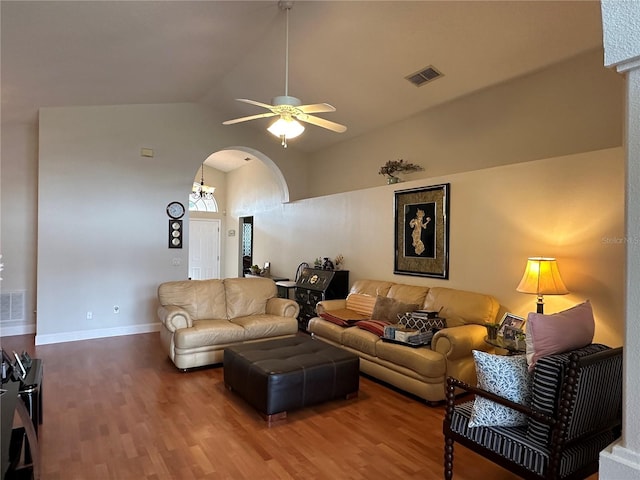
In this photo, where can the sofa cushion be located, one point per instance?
(265, 326)
(388, 309)
(209, 332)
(248, 296)
(372, 288)
(559, 332)
(374, 326)
(506, 376)
(360, 340)
(460, 307)
(202, 299)
(327, 330)
(421, 360)
(408, 293)
(361, 303)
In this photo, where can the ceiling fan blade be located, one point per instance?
(317, 108)
(321, 122)
(251, 117)
(257, 104)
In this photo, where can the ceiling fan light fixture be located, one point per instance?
(286, 129)
(289, 109)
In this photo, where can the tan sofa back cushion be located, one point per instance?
(248, 296)
(408, 293)
(460, 307)
(372, 288)
(202, 299)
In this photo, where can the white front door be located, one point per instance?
(204, 248)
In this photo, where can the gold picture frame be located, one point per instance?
(422, 231)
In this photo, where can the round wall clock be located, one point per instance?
(175, 210)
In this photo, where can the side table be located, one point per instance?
(512, 347)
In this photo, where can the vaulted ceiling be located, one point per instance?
(354, 55)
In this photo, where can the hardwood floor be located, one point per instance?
(117, 408)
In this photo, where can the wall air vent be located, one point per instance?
(12, 306)
(424, 76)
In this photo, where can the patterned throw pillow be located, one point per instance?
(422, 323)
(506, 376)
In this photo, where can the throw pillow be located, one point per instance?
(342, 317)
(373, 326)
(506, 376)
(559, 332)
(422, 323)
(388, 309)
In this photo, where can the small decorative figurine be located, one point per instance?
(328, 264)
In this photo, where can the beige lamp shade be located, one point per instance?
(542, 277)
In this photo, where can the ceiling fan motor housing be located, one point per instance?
(286, 100)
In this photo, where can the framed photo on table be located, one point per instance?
(510, 325)
(422, 231)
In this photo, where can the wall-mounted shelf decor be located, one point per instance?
(175, 233)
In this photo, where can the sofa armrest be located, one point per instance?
(457, 342)
(282, 307)
(174, 317)
(327, 305)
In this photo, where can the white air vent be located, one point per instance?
(12, 306)
(425, 75)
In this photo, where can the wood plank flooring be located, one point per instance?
(117, 408)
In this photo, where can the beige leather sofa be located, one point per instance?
(421, 371)
(199, 318)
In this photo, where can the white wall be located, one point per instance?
(621, 28)
(102, 224)
(569, 207)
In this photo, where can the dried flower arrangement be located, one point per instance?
(393, 166)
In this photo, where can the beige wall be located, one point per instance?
(101, 221)
(574, 106)
(102, 224)
(19, 174)
(569, 207)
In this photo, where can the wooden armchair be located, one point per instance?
(575, 412)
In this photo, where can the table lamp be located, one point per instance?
(542, 277)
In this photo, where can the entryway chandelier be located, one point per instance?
(200, 190)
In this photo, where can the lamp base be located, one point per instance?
(540, 305)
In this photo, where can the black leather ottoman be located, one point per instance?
(279, 375)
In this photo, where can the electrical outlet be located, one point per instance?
(89, 315)
(116, 309)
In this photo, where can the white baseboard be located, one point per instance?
(98, 333)
(619, 463)
(11, 329)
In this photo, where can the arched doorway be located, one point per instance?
(219, 166)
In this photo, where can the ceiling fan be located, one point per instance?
(290, 109)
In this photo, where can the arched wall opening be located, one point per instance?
(221, 170)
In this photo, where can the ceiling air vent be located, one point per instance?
(423, 76)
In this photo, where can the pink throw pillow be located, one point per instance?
(559, 332)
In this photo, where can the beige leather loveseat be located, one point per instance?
(421, 371)
(199, 318)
